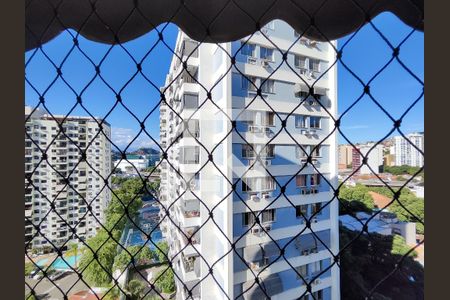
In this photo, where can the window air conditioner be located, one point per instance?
(312, 131)
(256, 231)
(317, 281)
(305, 252)
(265, 62)
(268, 227)
(314, 220)
(254, 198)
(268, 162)
(265, 196)
(251, 60)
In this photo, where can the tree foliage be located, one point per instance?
(29, 267)
(141, 257)
(368, 260)
(165, 281)
(358, 199)
(162, 250)
(401, 170)
(135, 289)
(97, 264)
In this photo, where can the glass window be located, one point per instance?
(267, 119)
(248, 218)
(268, 86)
(301, 210)
(316, 208)
(314, 65)
(300, 153)
(190, 101)
(300, 180)
(315, 179)
(314, 122)
(303, 271)
(248, 49)
(300, 61)
(247, 151)
(268, 216)
(300, 121)
(248, 83)
(266, 53)
(316, 151)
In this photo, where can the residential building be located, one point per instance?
(64, 179)
(407, 154)
(345, 156)
(132, 164)
(389, 160)
(372, 153)
(384, 223)
(234, 171)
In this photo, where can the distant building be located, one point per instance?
(389, 160)
(374, 158)
(405, 153)
(132, 163)
(384, 223)
(63, 179)
(345, 156)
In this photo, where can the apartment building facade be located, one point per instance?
(345, 156)
(234, 172)
(67, 191)
(407, 154)
(375, 158)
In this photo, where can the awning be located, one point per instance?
(306, 241)
(257, 252)
(271, 284)
(253, 253)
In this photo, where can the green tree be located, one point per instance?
(399, 247)
(30, 296)
(29, 267)
(165, 281)
(356, 199)
(135, 289)
(162, 250)
(98, 270)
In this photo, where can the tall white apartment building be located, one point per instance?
(65, 181)
(405, 153)
(230, 197)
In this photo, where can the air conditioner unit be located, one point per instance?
(304, 131)
(317, 281)
(265, 63)
(256, 231)
(268, 227)
(314, 220)
(251, 60)
(254, 198)
(265, 196)
(312, 131)
(267, 162)
(192, 184)
(255, 129)
(315, 162)
(305, 252)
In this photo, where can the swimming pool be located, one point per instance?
(59, 263)
(138, 239)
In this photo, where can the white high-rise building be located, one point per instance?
(216, 190)
(65, 180)
(405, 153)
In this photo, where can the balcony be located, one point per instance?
(190, 267)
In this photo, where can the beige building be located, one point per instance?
(344, 156)
(64, 180)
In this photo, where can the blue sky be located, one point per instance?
(365, 54)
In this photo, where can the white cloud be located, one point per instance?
(122, 137)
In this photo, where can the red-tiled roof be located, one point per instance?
(84, 295)
(380, 200)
